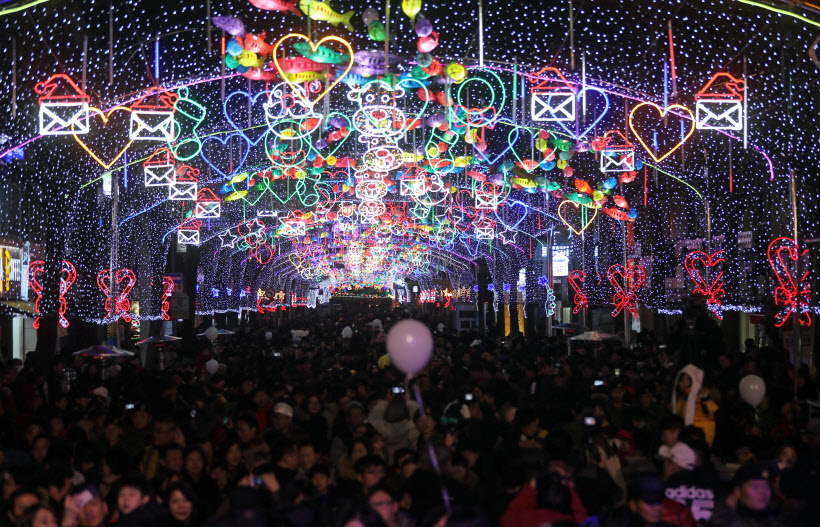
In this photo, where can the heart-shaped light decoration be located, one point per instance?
(580, 94)
(662, 112)
(313, 47)
(570, 203)
(105, 116)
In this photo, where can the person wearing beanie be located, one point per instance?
(749, 504)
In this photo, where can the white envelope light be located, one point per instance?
(484, 233)
(553, 106)
(412, 187)
(182, 190)
(208, 209)
(719, 114)
(159, 175)
(293, 228)
(188, 236)
(618, 160)
(63, 118)
(488, 202)
(149, 125)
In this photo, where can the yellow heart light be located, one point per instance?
(313, 47)
(105, 117)
(663, 112)
(577, 206)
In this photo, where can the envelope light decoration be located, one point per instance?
(152, 116)
(184, 186)
(719, 104)
(208, 204)
(619, 154)
(62, 114)
(293, 224)
(188, 232)
(552, 99)
(159, 169)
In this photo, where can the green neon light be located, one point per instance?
(780, 11)
(11, 10)
(480, 111)
(196, 113)
(676, 178)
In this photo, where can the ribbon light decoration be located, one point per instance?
(634, 275)
(712, 291)
(794, 292)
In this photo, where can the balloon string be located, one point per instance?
(433, 459)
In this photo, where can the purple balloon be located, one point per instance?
(423, 27)
(410, 345)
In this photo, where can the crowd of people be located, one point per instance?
(273, 427)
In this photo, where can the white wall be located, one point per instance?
(24, 336)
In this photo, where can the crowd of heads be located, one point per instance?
(271, 426)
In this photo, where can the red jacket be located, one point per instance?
(522, 511)
(676, 513)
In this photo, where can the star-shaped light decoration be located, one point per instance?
(228, 239)
(506, 236)
(256, 228)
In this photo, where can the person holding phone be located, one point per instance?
(85, 507)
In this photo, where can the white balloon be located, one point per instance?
(752, 389)
(347, 332)
(410, 345)
(268, 335)
(440, 327)
(211, 366)
(212, 333)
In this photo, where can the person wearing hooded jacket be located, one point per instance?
(690, 400)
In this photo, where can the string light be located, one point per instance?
(448, 219)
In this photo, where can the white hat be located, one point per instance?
(284, 409)
(680, 454)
